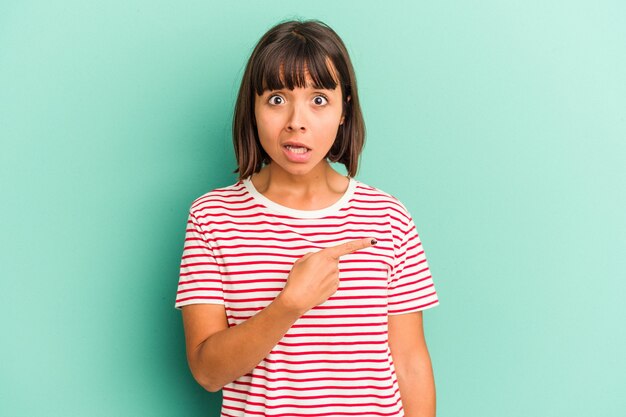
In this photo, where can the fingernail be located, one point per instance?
(374, 241)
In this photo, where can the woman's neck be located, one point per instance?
(318, 189)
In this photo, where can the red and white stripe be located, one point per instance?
(335, 360)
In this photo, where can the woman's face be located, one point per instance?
(298, 127)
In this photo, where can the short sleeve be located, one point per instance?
(411, 287)
(199, 281)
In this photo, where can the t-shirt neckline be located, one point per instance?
(304, 214)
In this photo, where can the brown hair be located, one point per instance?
(280, 60)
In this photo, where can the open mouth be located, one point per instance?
(297, 149)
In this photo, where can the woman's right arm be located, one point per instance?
(218, 354)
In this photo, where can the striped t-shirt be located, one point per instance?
(335, 360)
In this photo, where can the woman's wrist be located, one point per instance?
(288, 306)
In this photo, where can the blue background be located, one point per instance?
(500, 124)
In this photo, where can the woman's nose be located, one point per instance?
(297, 117)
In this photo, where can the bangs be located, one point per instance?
(287, 65)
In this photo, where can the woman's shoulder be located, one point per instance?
(365, 193)
(221, 196)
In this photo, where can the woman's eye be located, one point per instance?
(320, 100)
(276, 100)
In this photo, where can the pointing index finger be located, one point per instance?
(349, 247)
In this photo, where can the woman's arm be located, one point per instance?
(218, 354)
(412, 363)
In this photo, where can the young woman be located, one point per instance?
(302, 289)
